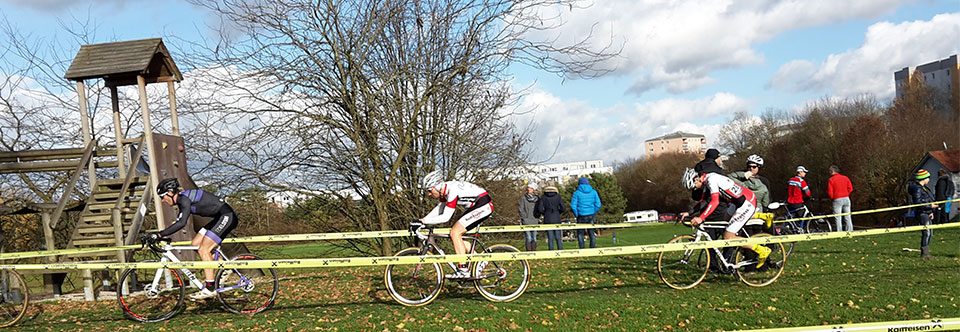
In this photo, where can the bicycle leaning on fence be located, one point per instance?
(686, 268)
(14, 297)
(155, 295)
(419, 284)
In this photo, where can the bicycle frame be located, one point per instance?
(427, 243)
(702, 233)
(167, 256)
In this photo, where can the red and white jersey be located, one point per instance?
(453, 193)
(719, 186)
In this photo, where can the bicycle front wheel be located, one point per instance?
(746, 262)
(818, 225)
(14, 297)
(144, 300)
(413, 284)
(247, 291)
(683, 269)
(501, 281)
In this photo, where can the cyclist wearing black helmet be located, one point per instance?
(204, 204)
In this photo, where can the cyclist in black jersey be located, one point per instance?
(204, 204)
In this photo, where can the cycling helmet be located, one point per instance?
(689, 175)
(166, 185)
(431, 180)
(755, 159)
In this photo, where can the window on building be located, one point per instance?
(651, 150)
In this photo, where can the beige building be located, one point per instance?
(675, 142)
(943, 75)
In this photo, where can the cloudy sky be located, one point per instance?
(685, 65)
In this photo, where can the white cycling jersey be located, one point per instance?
(463, 194)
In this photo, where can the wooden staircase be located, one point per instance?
(96, 226)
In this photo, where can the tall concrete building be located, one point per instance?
(943, 75)
(675, 142)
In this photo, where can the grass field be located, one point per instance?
(867, 279)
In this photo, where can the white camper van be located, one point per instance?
(644, 216)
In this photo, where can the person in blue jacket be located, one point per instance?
(585, 204)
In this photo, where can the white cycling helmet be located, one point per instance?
(755, 159)
(689, 175)
(431, 180)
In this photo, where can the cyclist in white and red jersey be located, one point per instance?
(717, 187)
(450, 194)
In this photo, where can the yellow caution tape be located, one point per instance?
(320, 236)
(529, 255)
(396, 233)
(936, 324)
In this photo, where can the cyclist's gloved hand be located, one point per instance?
(414, 226)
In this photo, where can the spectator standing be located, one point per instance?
(944, 191)
(550, 206)
(839, 189)
(585, 203)
(919, 194)
(709, 165)
(797, 190)
(528, 207)
(748, 178)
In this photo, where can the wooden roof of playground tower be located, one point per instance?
(119, 63)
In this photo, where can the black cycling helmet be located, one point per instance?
(166, 185)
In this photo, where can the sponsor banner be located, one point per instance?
(936, 324)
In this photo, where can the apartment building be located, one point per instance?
(564, 172)
(675, 142)
(943, 75)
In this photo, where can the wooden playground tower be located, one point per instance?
(114, 212)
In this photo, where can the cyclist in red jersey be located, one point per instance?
(716, 187)
(451, 194)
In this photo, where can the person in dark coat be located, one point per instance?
(709, 165)
(919, 194)
(944, 190)
(550, 206)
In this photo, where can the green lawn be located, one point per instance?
(867, 279)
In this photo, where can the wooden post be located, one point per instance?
(151, 151)
(85, 128)
(173, 108)
(117, 132)
(50, 244)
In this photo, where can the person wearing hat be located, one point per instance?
(797, 189)
(919, 193)
(528, 215)
(550, 206)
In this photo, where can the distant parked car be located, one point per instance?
(641, 216)
(668, 217)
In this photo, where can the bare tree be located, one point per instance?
(362, 98)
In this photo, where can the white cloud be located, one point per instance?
(676, 45)
(887, 47)
(568, 130)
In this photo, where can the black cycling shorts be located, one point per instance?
(221, 225)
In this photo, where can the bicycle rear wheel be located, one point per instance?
(818, 225)
(413, 284)
(683, 269)
(247, 291)
(747, 270)
(501, 281)
(143, 301)
(14, 297)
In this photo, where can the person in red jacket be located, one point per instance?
(839, 188)
(797, 189)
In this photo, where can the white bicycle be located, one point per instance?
(157, 295)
